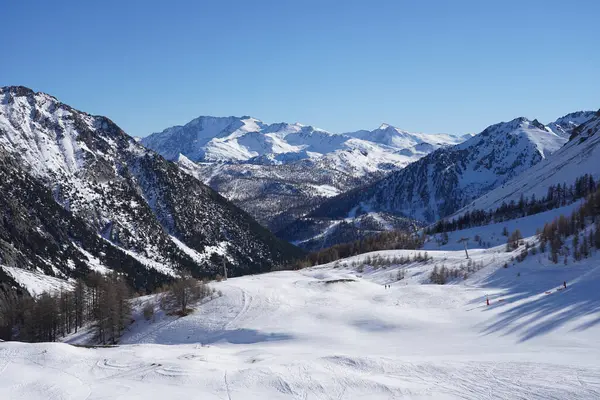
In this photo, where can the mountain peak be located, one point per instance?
(565, 125)
(504, 128)
(538, 124)
(17, 90)
(23, 91)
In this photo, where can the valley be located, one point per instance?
(483, 307)
(299, 200)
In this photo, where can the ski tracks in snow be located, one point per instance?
(227, 386)
(246, 303)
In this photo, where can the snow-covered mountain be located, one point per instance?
(581, 155)
(564, 125)
(439, 183)
(247, 139)
(281, 171)
(274, 194)
(388, 135)
(41, 242)
(158, 217)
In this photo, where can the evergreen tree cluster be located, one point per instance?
(183, 292)
(392, 240)
(102, 302)
(380, 261)
(554, 234)
(557, 196)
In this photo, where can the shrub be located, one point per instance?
(148, 310)
(400, 275)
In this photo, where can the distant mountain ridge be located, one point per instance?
(286, 181)
(279, 172)
(438, 184)
(243, 139)
(78, 194)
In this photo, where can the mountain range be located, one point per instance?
(78, 194)
(579, 156)
(81, 194)
(280, 172)
(436, 185)
(249, 140)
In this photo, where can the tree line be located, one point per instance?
(389, 240)
(99, 302)
(579, 225)
(556, 196)
(102, 300)
(380, 261)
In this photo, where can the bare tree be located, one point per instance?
(9, 306)
(79, 303)
(182, 293)
(113, 309)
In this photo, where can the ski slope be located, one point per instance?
(336, 332)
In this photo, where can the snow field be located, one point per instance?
(332, 332)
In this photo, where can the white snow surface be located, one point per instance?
(37, 282)
(332, 332)
(246, 139)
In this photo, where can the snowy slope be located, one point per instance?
(580, 156)
(335, 332)
(126, 195)
(443, 181)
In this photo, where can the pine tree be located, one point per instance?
(585, 247)
(576, 254)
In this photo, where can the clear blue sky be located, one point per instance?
(430, 66)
